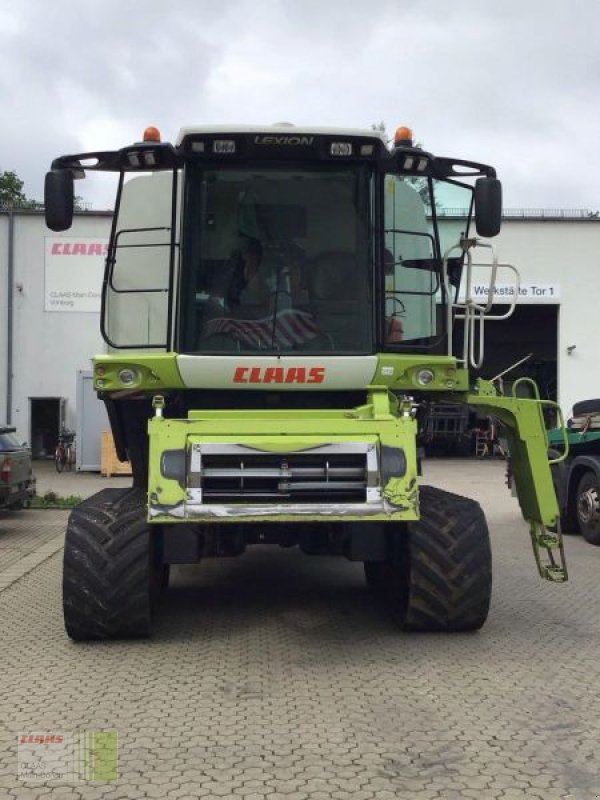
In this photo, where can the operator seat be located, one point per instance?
(337, 292)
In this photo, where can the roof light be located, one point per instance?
(408, 162)
(422, 165)
(366, 149)
(341, 149)
(149, 158)
(152, 134)
(134, 158)
(403, 137)
(198, 147)
(223, 146)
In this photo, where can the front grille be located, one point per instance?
(284, 477)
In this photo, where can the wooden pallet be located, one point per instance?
(109, 463)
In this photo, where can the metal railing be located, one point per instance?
(35, 205)
(529, 213)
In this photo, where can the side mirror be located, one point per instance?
(58, 199)
(488, 206)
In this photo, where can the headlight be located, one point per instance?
(128, 376)
(425, 377)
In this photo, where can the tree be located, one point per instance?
(11, 191)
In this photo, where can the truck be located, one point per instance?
(278, 303)
(577, 474)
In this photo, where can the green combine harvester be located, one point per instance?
(278, 304)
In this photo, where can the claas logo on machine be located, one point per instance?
(279, 375)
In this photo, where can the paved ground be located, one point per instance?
(68, 483)
(28, 537)
(275, 675)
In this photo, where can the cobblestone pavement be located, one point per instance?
(276, 676)
(29, 536)
(68, 483)
(24, 532)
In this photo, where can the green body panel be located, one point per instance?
(523, 422)
(384, 420)
(156, 371)
(525, 429)
(399, 373)
(159, 372)
(380, 422)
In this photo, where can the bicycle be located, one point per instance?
(64, 454)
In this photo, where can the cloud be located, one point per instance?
(513, 83)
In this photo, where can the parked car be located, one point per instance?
(17, 482)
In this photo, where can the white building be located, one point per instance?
(50, 299)
(49, 320)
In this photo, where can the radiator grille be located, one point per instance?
(290, 477)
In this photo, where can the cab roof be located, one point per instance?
(279, 129)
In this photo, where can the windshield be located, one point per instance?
(276, 260)
(413, 245)
(8, 441)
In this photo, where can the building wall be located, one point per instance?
(48, 346)
(4, 226)
(565, 253)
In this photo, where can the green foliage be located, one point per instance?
(52, 500)
(11, 191)
(13, 196)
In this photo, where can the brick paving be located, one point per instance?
(277, 676)
(22, 533)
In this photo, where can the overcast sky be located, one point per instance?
(513, 84)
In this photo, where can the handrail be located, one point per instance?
(550, 404)
(470, 311)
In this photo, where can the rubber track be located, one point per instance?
(107, 567)
(449, 565)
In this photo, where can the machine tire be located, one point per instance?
(569, 523)
(374, 575)
(586, 407)
(440, 578)
(587, 505)
(112, 571)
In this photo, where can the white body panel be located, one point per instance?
(134, 315)
(273, 372)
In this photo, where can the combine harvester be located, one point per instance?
(278, 303)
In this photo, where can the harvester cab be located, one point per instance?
(277, 304)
